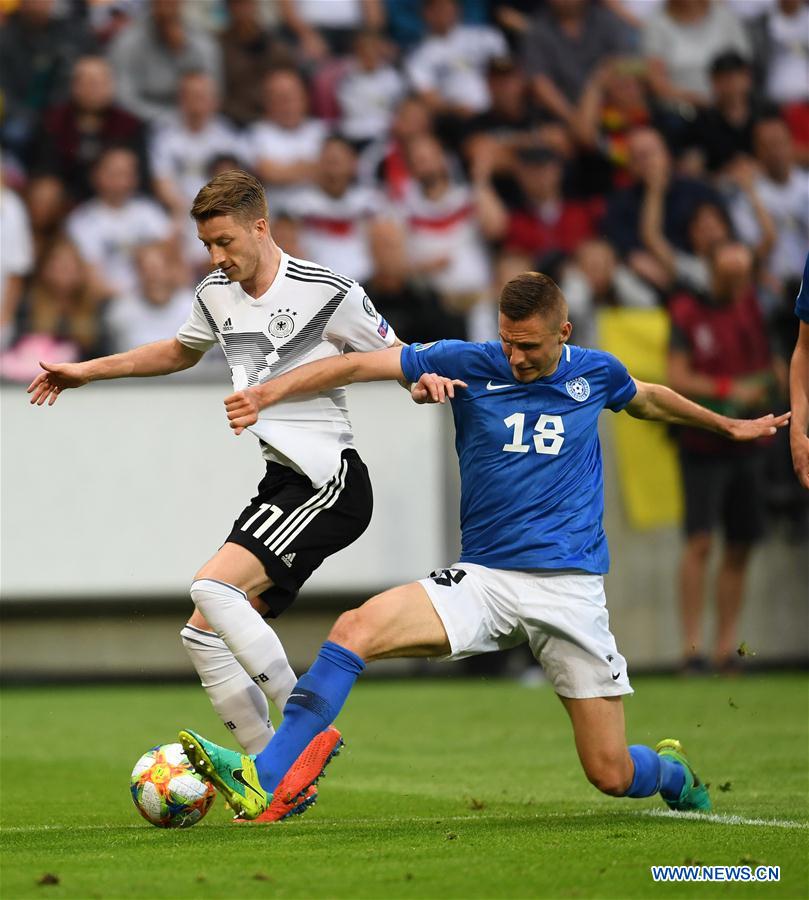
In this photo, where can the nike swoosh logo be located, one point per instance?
(237, 774)
(616, 676)
(496, 387)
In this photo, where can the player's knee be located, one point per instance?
(609, 776)
(350, 631)
(201, 590)
(699, 544)
(737, 555)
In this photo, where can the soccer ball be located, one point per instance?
(167, 791)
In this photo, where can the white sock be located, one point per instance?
(251, 640)
(238, 701)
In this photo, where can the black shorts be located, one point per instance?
(292, 526)
(727, 491)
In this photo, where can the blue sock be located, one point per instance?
(672, 778)
(654, 773)
(313, 705)
(646, 780)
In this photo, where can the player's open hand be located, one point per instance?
(242, 410)
(750, 429)
(56, 378)
(432, 388)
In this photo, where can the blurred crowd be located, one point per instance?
(645, 153)
(428, 148)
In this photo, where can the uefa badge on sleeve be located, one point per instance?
(578, 388)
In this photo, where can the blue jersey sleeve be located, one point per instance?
(442, 358)
(620, 386)
(802, 301)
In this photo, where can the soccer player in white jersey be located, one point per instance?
(270, 313)
(534, 549)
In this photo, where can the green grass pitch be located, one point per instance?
(446, 789)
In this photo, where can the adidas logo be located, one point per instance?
(228, 326)
(287, 558)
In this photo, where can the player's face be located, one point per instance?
(232, 245)
(533, 346)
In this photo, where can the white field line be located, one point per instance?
(720, 819)
(714, 818)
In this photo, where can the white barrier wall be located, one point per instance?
(125, 489)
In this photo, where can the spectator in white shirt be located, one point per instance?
(336, 214)
(286, 143)
(369, 91)
(182, 149)
(185, 143)
(156, 308)
(682, 39)
(786, 39)
(16, 257)
(109, 228)
(448, 68)
(446, 223)
(784, 191)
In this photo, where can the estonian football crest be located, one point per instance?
(578, 388)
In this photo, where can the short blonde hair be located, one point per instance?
(234, 193)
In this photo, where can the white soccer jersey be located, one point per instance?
(788, 207)
(334, 229)
(185, 156)
(454, 64)
(132, 320)
(267, 140)
(16, 244)
(307, 313)
(447, 228)
(368, 101)
(108, 236)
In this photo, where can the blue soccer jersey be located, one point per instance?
(531, 476)
(802, 301)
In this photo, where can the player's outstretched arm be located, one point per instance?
(243, 407)
(662, 404)
(799, 402)
(158, 358)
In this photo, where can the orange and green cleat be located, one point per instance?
(310, 766)
(297, 790)
(277, 811)
(694, 796)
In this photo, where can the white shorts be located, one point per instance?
(563, 617)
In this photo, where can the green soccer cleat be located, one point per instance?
(233, 774)
(694, 796)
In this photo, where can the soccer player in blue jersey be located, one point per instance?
(534, 550)
(799, 386)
